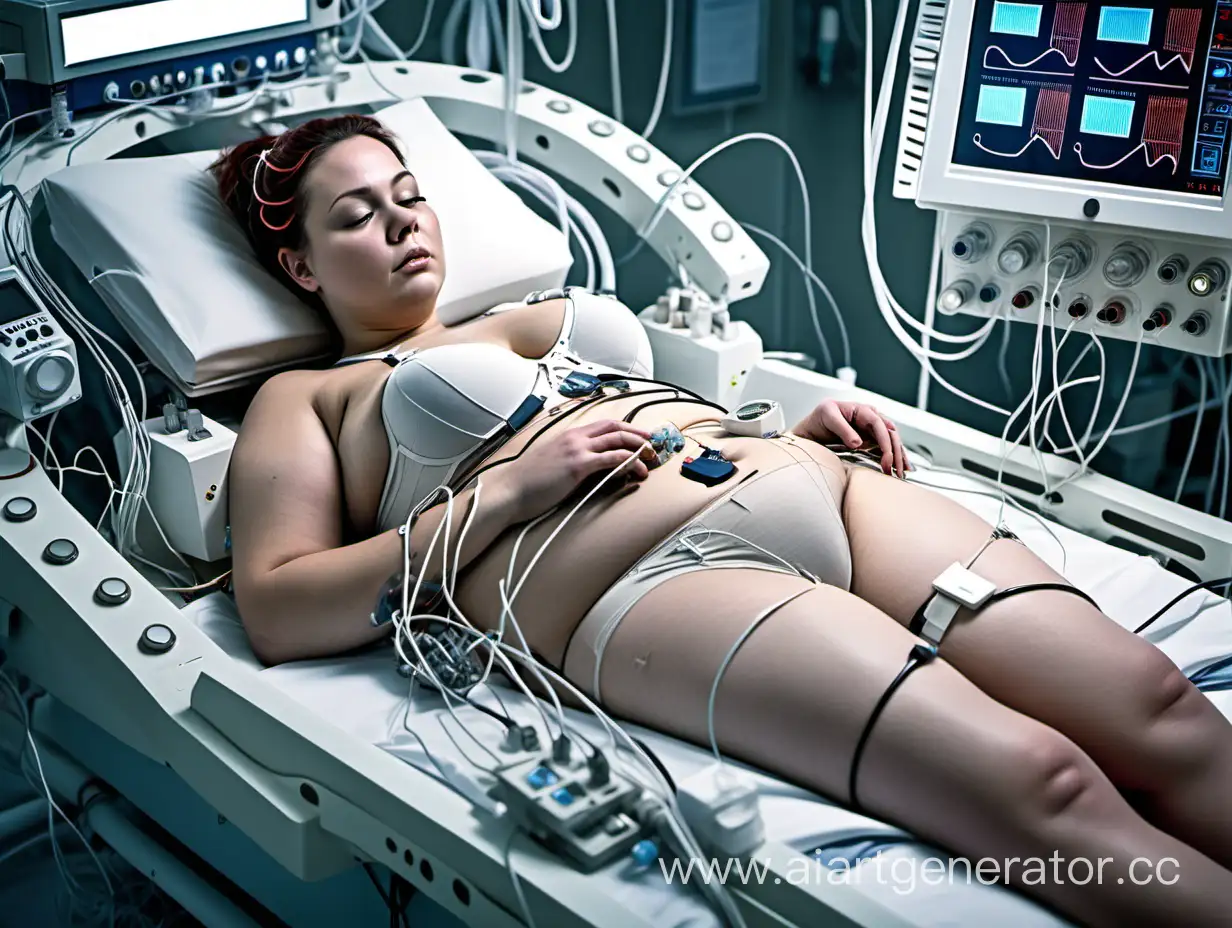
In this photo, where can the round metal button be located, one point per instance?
(112, 592)
(560, 106)
(20, 509)
(667, 178)
(156, 639)
(601, 127)
(60, 552)
(722, 231)
(693, 200)
(639, 153)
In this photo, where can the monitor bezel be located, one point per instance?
(946, 185)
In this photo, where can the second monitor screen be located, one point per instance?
(1138, 95)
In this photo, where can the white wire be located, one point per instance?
(811, 279)
(613, 44)
(661, 91)
(1226, 439)
(1193, 438)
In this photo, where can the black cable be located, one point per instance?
(1179, 596)
(389, 906)
(1032, 587)
(658, 763)
(676, 399)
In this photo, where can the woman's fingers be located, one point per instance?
(833, 419)
(868, 418)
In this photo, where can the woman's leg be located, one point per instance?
(1052, 656)
(943, 760)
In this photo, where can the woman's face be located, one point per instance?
(374, 249)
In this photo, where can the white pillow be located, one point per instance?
(193, 296)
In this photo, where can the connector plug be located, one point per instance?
(720, 806)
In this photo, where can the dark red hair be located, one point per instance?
(270, 209)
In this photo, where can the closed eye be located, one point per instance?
(410, 201)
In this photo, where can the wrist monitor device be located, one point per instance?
(756, 418)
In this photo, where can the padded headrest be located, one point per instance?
(193, 295)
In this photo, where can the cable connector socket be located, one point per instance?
(720, 806)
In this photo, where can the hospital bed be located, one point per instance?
(282, 780)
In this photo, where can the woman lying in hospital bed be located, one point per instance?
(1041, 727)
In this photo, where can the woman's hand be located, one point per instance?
(549, 471)
(856, 425)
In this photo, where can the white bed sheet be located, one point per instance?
(365, 696)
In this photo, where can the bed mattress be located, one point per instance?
(364, 695)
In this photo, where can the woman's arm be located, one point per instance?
(300, 591)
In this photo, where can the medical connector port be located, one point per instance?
(1160, 317)
(956, 296)
(1019, 253)
(1209, 277)
(1079, 307)
(1196, 324)
(1113, 312)
(990, 293)
(972, 243)
(1026, 297)
(1126, 265)
(136, 89)
(240, 66)
(1072, 258)
(1172, 268)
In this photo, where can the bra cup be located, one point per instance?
(607, 333)
(442, 401)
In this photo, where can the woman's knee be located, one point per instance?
(1168, 725)
(1045, 777)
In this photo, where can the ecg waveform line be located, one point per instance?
(1047, 125)
(1066, 37)
(1161, 134)
(1180, 38)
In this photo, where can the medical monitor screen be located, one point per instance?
(1131, 93)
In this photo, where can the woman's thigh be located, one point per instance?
(799, 691)
(1048, 654)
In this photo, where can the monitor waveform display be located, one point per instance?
(1067, 22)
(1133, 92)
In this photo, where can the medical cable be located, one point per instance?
(1002, 356)
(52, 805)
(730, 655)
(613, 45)
(1116, 415)
(664, 69)
(811, 279)
(1205, 585)
(1193, 438)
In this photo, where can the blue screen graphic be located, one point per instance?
(1016, 18)
(1107, 116)
(1125, 24)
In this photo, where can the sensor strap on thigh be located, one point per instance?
(920, 655)
(959, 587)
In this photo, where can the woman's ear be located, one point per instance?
(295, 263)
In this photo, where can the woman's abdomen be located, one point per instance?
(618, 525)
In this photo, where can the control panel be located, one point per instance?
(38, 360)
(240, 66)
(1170, 292)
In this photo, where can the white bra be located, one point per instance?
(447, 405)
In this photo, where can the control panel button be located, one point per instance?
(722, 231)
(601, 128)
(20, 509)
(112, 592)
(156, 639)
(560, 106)
(46, 331)
(693, 200)
(60, 552)
(639, 153)
(49, 376)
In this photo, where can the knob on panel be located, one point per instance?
(1018, 254)
(49, 375)
(1126, 265)
(112, 592)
